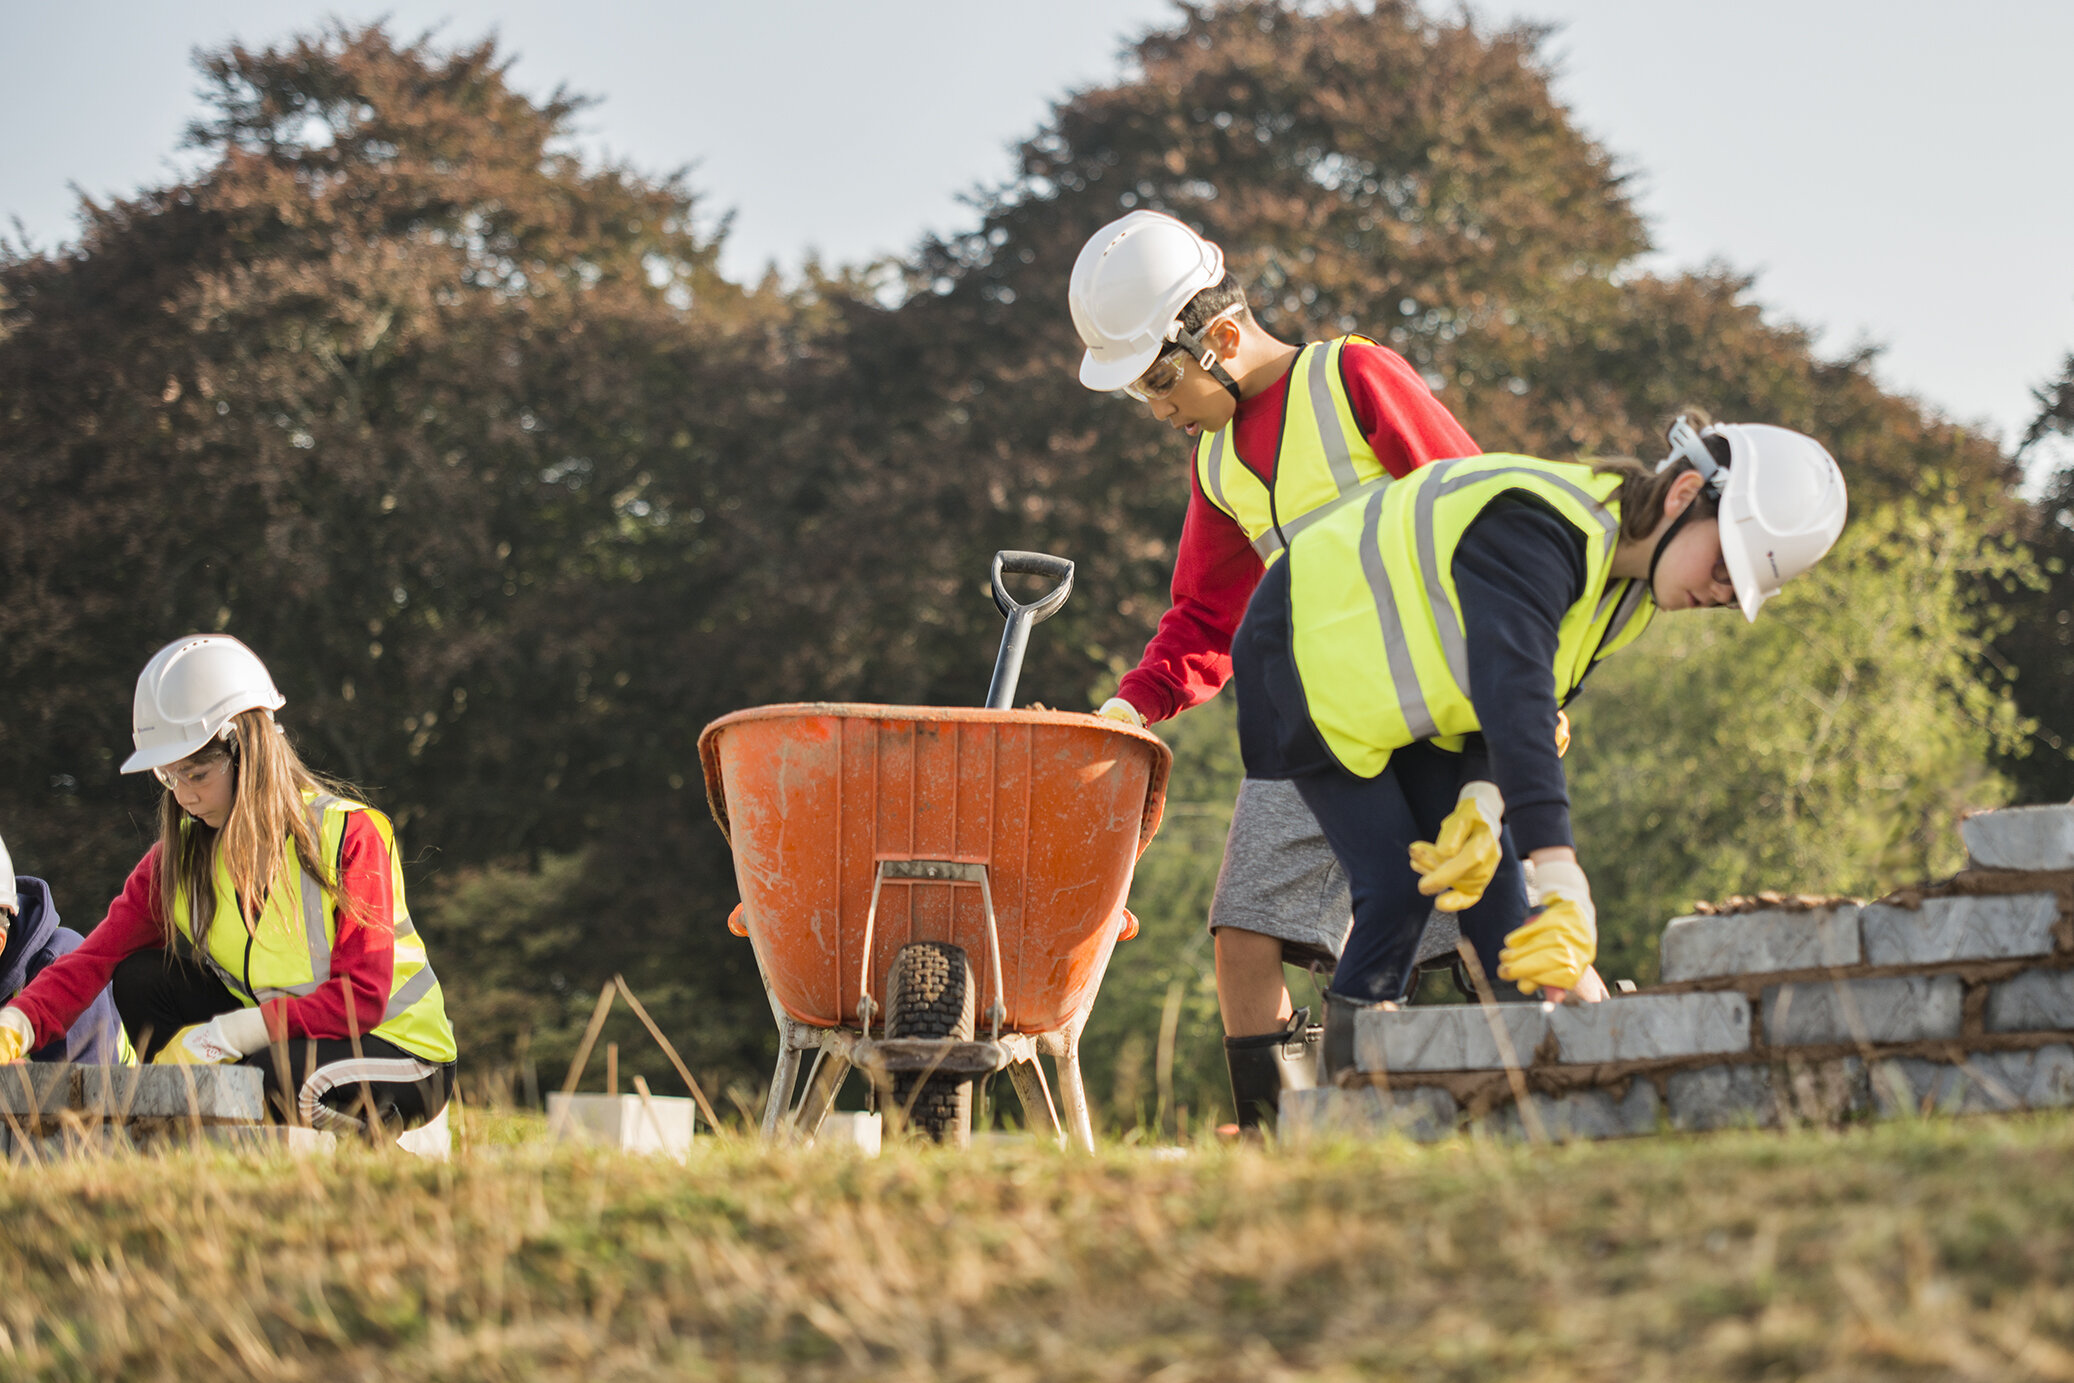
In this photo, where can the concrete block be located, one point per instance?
(1652, 1027)
(38, 1089)
(658, 1124)
(2021, 837)
(1581, 1115)
(1762, 1095)
(1912, 1009)
(2035, 1001)
(1756, 943)
(1446, 1037)
(1716, 1097)
(1421, 1113)
(1985, 1082)
(1946, 929)
(212, 1094)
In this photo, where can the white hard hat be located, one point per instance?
(1782, 503)
(1129, 285)
(187, 694)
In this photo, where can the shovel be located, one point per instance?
(1008, 666)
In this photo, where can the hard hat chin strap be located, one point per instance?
(1688, 444)
(1206, 354)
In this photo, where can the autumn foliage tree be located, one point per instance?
(514, 492)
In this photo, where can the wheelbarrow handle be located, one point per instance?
(1008, 666)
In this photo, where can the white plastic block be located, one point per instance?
(658, 1124)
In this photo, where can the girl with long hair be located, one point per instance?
(267, 926)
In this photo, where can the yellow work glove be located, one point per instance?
(17, 1035)
(223, 1039)
(1459, 865)
(1559, 940)
(1116, 708)
(1562, 733)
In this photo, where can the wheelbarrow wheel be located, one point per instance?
(930, 993)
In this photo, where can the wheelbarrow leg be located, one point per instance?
(827, 1078)
(781, 1085)
(1038, 1111)
(1073, 1093)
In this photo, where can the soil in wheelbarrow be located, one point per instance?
(930, 994)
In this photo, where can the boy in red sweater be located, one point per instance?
(1282, 434)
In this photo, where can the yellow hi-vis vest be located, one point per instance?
(1375, 621)
(288, 952)
(1321, 459)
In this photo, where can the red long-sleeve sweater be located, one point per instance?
(363, 953)
(1215, 568)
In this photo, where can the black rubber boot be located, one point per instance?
(1264, 1065)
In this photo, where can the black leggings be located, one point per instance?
(320, 1081)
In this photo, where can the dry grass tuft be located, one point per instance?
(1924, 1250)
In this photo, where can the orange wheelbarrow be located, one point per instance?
(880, 849)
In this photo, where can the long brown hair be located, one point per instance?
(1643, 488)
(266, 807)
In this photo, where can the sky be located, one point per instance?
(1888, 180)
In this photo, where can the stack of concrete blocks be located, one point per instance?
(50, 1110)
(1956, 997)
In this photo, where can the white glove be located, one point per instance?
(1116, 708)
(224, 1038)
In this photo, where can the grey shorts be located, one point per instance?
(1281, 879)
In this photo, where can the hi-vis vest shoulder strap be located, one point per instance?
(1376, 624)
(1321, 458)
(287, 952)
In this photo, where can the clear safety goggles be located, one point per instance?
(1165, 374)
(194, 776)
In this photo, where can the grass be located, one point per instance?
(1927, 1250)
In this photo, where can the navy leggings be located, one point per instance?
(1370, 824)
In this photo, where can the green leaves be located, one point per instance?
(1829, 747)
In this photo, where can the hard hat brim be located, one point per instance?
(1107, 375)
(161, 756)
(1742, 565)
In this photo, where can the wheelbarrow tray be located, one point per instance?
(1053, 807)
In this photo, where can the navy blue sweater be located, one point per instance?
(33, 942)
(1517, 570)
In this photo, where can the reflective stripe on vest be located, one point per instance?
(414, 1017)
(1376, 624)
(1321, 456)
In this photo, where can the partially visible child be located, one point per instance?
(33, 939)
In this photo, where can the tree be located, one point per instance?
(2038, 643)
(401, 393)
(1829, 747)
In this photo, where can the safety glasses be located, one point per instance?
(198, 776)
(1160, 379)
(1165, 374)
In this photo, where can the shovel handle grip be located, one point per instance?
(1032, 564)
